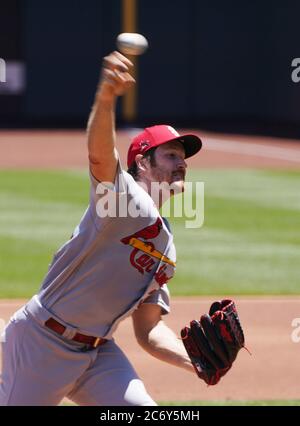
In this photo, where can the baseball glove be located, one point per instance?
(214, 342)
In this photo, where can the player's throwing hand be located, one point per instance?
(115, 76)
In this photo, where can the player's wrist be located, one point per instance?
(189, 367)
(106, 95)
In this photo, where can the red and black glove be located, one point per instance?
(214, 342)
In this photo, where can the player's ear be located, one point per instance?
(142, 163)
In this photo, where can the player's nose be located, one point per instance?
(181, 164)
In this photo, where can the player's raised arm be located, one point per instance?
(115, 80)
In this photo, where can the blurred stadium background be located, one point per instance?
(218, 65)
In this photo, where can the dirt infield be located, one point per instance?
(67, 149)
(271, 372)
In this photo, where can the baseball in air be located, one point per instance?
(132, 43)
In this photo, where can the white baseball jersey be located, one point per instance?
(111, 264)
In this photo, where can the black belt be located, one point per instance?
(78, 337)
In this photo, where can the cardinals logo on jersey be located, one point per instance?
(144, 255)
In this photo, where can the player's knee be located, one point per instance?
(137, 395)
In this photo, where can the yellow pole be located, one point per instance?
(129, 25)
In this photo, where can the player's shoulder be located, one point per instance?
(167, 223)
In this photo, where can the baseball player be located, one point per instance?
(115, 265)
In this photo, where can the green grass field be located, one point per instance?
(249, 243)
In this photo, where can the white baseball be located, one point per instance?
(132, 43)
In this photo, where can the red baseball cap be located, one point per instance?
(158, 135)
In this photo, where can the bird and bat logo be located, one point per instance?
(144, 255)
